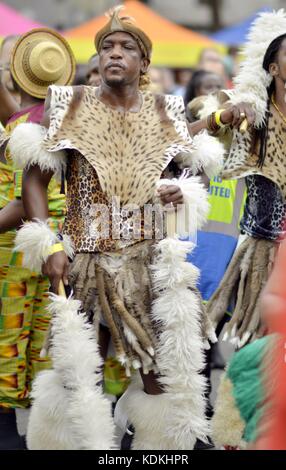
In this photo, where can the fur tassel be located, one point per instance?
(252, 80)
(193, 215)
(26, 148)
(179, 351)
(176, 418)
(69, 409)
(34, 239)
(207, 155)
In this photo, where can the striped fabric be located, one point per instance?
(24, 295)
(24, 321)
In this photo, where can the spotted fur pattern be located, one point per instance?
(241, 161)
(129, 151)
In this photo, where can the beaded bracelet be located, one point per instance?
(211, 123)
(217, 118)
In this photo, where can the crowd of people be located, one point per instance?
(141, 218)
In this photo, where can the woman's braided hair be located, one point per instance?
(262, 133)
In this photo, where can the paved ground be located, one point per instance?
(226, 349)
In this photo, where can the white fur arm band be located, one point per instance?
(26, 149)
(34, 240)
(208, 155)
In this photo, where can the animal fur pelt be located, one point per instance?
(244, 278)
(34, 240)
(69, 409)
(175, 419)
(179, 350)
(26, 149)
(252, 80)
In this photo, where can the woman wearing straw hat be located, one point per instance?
(39, 58)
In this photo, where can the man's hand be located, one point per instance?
(235, 115)
(56, 268)
(171, 194)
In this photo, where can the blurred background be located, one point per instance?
(199, 14)
(187, 34)
(181, 30)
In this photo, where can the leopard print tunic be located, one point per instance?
(265, 209)
(115, 154)
(241, 162)
(83, 221)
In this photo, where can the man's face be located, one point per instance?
(210, 83)
(92, 76)
(120, 60)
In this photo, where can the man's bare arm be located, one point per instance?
(12, 215)
(231, 116)
(34, 192)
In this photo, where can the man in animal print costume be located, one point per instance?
(118, 145)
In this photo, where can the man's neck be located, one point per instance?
(124, 98)
(280, 95)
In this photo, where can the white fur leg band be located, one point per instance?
(26, 149)
(69, 410)
(34, 240)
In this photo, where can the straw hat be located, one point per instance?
(40, 58)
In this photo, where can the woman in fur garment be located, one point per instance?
(259, 155)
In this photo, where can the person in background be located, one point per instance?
(168, 81)
(202, 83)
(155, 75)
(24, 295)
(6, 78)
(231, 62)
(92, 74)
(9, 102)
(182, 78)
(211, 60)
